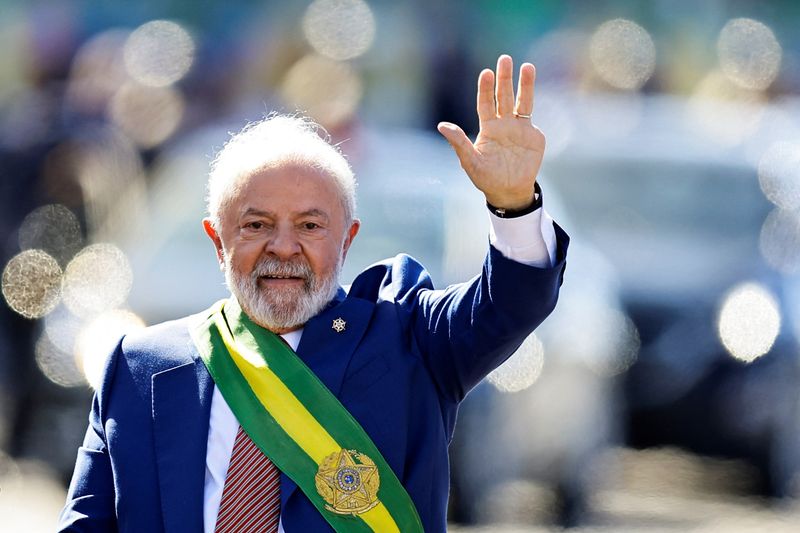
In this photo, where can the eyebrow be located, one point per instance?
(270, 214)
(257, 212)
(315, 213)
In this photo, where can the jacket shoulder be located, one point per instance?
(160, 346)
(396, 279)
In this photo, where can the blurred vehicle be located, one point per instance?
(675, 193)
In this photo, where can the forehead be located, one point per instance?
(287, 188)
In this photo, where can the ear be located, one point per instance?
(208, 226)
(351, 234)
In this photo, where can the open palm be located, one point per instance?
(504, 160)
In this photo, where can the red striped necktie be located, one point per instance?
(251, 497)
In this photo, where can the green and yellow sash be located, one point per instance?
(300, 425)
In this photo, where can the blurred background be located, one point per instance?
(664, 392)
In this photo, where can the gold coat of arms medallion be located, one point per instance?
(348, 481)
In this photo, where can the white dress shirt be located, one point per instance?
(528, 239)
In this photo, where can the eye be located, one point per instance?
(310, 226)
(255, 225)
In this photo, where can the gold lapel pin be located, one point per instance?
(338, 325)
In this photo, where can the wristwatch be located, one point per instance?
(508, 213)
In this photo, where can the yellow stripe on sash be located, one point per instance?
(293, 417)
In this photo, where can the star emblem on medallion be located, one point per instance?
(352, 487)
(338, 325)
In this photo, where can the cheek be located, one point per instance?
(244, 258)
(325, 259)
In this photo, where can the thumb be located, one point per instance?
(459, 141)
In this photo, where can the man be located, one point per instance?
(295, 405)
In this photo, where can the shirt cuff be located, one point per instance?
(529, 239)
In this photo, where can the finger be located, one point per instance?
(527, 79)
(464, 148)
(486, 107)
(505, 86)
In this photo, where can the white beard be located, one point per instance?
(286, 308)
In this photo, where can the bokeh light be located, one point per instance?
(617, 343)
(623, 54)
(749, 53)
(32, 283)
(148, 115)
(522, 369)
(99, 278)
(97, 340)
(339, 29)
(329, 91)
(780, 240)
(778, 124)
(109, 169)
(587, 329)
(57, 365)
(62, 328)
(51, 228)
(97, 71)
(159, 53)
(724, 112)
(749, 321)
(779, 174)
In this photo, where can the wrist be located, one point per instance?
(513, 209)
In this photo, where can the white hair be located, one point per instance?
(272, 142)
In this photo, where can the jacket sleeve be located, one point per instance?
(90, 502)
(467, 330)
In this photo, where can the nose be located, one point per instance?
(283, 243)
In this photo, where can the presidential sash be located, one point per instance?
(300, 425)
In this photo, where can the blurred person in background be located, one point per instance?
(346, 392)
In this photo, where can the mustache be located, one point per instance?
(270, 267)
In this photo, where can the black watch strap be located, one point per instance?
(508, 213)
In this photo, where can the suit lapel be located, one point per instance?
(327, 352)
(181, 409)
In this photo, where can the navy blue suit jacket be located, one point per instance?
(408, 356)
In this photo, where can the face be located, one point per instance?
(282, 241)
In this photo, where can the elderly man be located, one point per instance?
(294, 405)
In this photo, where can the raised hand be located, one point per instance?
(504, 160)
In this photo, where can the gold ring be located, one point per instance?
(520, 115)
